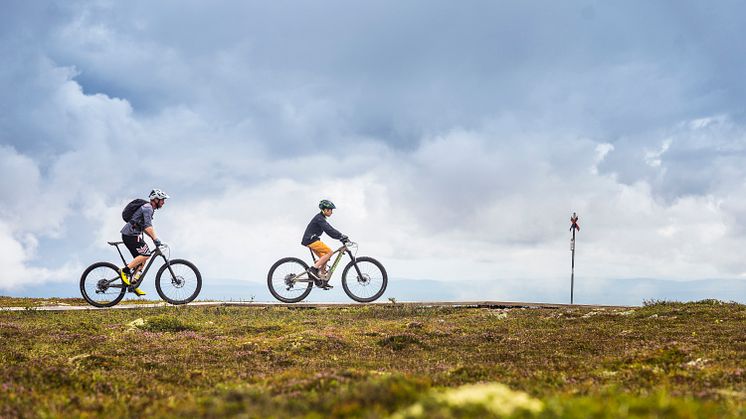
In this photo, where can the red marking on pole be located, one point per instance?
(574, 222)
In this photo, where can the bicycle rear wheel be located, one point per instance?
(283, 283)
(366, 287)
(181, 287)
(101, 285)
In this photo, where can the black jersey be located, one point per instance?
(317, 226)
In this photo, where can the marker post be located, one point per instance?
(573, 226)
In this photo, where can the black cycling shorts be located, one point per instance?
(136, 245)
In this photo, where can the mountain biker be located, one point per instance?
(132, 236)
(316, 227)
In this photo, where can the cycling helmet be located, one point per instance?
(158, 194)
(326, 204)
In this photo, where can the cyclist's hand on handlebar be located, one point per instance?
(157, 243)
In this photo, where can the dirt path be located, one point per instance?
(466, 304)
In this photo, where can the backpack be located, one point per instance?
(130, 209)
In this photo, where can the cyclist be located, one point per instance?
(132, 236)
(316, 227)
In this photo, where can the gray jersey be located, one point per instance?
(141, 219)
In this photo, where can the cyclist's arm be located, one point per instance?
(147, 220)
(150, 231)
(331, 231)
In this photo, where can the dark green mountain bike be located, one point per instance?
(178, 281)
(364, 279)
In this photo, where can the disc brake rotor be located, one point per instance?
(364, 279)
(178, 281)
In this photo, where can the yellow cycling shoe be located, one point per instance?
(124, 277)
(138, 292)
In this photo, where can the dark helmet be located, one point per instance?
(326, 204)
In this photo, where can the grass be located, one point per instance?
(45, 302)
(660, 360)
(39, 302)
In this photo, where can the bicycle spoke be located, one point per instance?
(181, 285)
(368, 284)
(288, 281)
(101, 285)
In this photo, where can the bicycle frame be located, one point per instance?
(157, 252)
(340, 252)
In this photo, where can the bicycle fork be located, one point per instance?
(354, 263)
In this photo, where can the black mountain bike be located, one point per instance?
(364, 279)
(178, 281)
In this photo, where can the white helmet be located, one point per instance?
(158, 194)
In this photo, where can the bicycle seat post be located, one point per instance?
(121, 255)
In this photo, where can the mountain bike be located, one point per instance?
(178, 281)
(364, 279)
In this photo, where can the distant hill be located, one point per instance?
(611, 292)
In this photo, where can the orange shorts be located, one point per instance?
(320, 248)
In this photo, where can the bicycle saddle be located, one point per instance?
(115, 243)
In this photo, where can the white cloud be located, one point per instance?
(653, 157)
(15, 257)
(477, 204)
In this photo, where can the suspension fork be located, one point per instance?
(354, 263)
(168, 264)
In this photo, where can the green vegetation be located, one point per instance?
(660, 360)
(38, 302)
(46, 302)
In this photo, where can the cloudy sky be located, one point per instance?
(456, 140)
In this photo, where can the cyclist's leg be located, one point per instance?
(323, 252)
(140, 252)
(138, 269)
(137, 262)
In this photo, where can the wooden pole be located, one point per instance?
(573, 226)
(572, 272)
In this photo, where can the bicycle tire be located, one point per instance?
(175, 265)
(270, 283)
(383, 279)
(115, 274)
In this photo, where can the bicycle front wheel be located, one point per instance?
(101, 285)
(288, 281)
(368, 284)
(180, 284)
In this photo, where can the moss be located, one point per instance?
(166, 323)
(399, 342)
(660, 360)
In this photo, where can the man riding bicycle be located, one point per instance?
(132, 236)
(316, 227)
